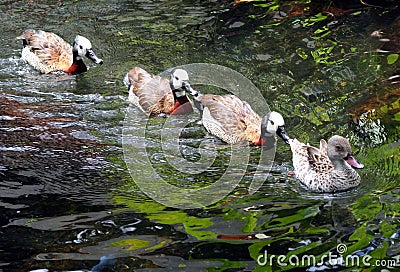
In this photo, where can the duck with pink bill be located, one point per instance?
(327, 169)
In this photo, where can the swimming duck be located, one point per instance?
(233, 120)
(156, 95)
(48, 52)
(327, 169)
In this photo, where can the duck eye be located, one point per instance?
(80, 46)
(177, 78)
(338, 148)
(272, 122)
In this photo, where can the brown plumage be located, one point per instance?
(230, 119)
(233, 120)
(155, 95)
(47, 52)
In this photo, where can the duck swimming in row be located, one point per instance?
(233, 120)
(48, 52)
(156, 95)
(327, 169)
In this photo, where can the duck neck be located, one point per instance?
(181, 103)
(340, 164)
(267, 142)
(77, 66)
(179, 94)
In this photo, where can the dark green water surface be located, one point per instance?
(68, 203)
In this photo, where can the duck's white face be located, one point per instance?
(81, 45)
(179, 78)
(84, 48)
(275, 121)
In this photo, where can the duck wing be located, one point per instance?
(224, 110)
(153, 92)
(228, 114)
(318, 159)
(155, 95)
(50, 48)
(309, 160)
(323, 147)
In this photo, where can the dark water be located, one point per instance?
(68, 203)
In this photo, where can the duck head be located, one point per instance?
(179, 82)
(273, 123)
(339, 149)
(83, 48)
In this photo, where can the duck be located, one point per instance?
(327, 169)
(47, 52)
(234, 121)
(156, 95)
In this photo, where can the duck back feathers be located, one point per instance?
(46, 51)
(230, 119)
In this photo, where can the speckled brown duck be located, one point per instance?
(157, 95)
(328, 169)
(48, 52)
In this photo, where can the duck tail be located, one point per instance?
(127, 82)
